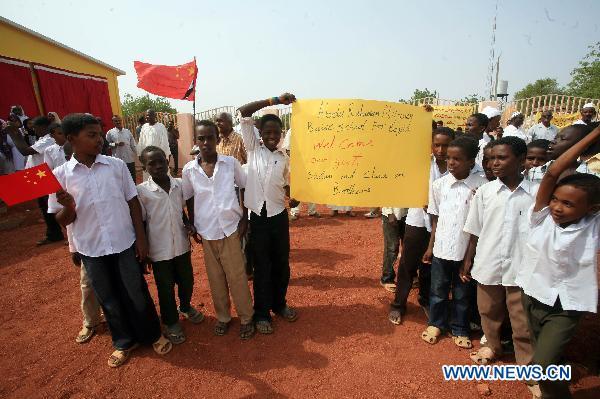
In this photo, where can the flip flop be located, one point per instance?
(431, 335)
(119, 357)
(162, 346)
(395, 317)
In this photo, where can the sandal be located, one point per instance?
(85, 334)
(175, 334)
(162, 346)
(288, 314)
(119, 357)
(431, 335)
(221, 328)
(462, 342)
(483, 356)
(264, 327)
(395, 317)
(247, 331)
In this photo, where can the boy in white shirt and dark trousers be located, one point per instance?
(498, 228)
(449, 201)
(266, 188)
(167, 226)
(99, 201)
(559, 279)
(209, 187)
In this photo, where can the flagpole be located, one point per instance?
(194, 103)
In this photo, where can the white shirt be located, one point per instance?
(125, 153)
(40, 145)
(482, 143)
(268, 173)
(449, 199)
(54, 156)
(217, 210)
(498, 217)
(561, 262)
(537, 174)
(417, 217)
(539, 131)
(103, 225)
(18, 159)
(163, 213)
(155, 135)
(510, 130)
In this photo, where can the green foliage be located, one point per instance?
(420, 94)
(585, 79)
(135, 105)
(471, 99)
(540, 87)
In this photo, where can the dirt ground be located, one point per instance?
(342, 345)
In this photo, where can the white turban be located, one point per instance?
(515, 114)
(589, 105)
(491, 112)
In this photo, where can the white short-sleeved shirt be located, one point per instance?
(449, 199)
(125, 153)
(163, 213)
(40, 145)
(54, 156)
(510, 130)
(103, 224)
(498, 217)
(417, 217)
(268, 173)
(561, 262)
(539, 131)
(217, 211)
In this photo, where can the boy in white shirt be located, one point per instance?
(449, 200)
(498, 228)
(266, 188)
(35, 157)
(167, 227)
(54, 155)
(209, 187)
(416, 236)
(100, 202)
(559, 279)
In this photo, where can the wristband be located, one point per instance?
(275, 100)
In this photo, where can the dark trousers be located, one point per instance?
(414, 246)
(270, 249)
(53, 230)
(131, 167)
(175, 156)
(167, 273)
(121, 289)
(551, 329)
(392, 235)
(445, 278)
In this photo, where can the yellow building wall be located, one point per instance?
(23, 46)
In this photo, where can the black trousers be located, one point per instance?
(168, 273)
(175, 155)
(414, 246)
(53, 230)
(270, 249)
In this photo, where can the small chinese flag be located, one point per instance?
(178, 82)
(28, 184)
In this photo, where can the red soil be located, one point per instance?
(342, 345)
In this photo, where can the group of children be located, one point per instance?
(515, 236)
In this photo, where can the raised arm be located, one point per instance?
(250, 108)
(17, 138)
(563, 162)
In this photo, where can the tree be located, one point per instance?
(540, 87)
(471, 99)
(585, 79)
(136, 105)
(419, 95)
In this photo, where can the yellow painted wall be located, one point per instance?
(23, 46)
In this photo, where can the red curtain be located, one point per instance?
(17, 89)
(67, 93)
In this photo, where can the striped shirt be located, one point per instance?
(232, 145)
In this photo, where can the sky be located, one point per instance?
(379, 50)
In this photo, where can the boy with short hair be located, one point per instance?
(209, 187)
(161, 200)
(476, 126)
(559, 281)
(449, 200)
(416, 236)
(537, 154)
(497, 224)
(266, 189)
(99, 200)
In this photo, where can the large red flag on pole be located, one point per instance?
(178, 82)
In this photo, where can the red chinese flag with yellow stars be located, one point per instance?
(28, 184)
(178, 82)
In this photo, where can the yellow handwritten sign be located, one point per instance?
(453, 116)
(560, 120)
(360, 153)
